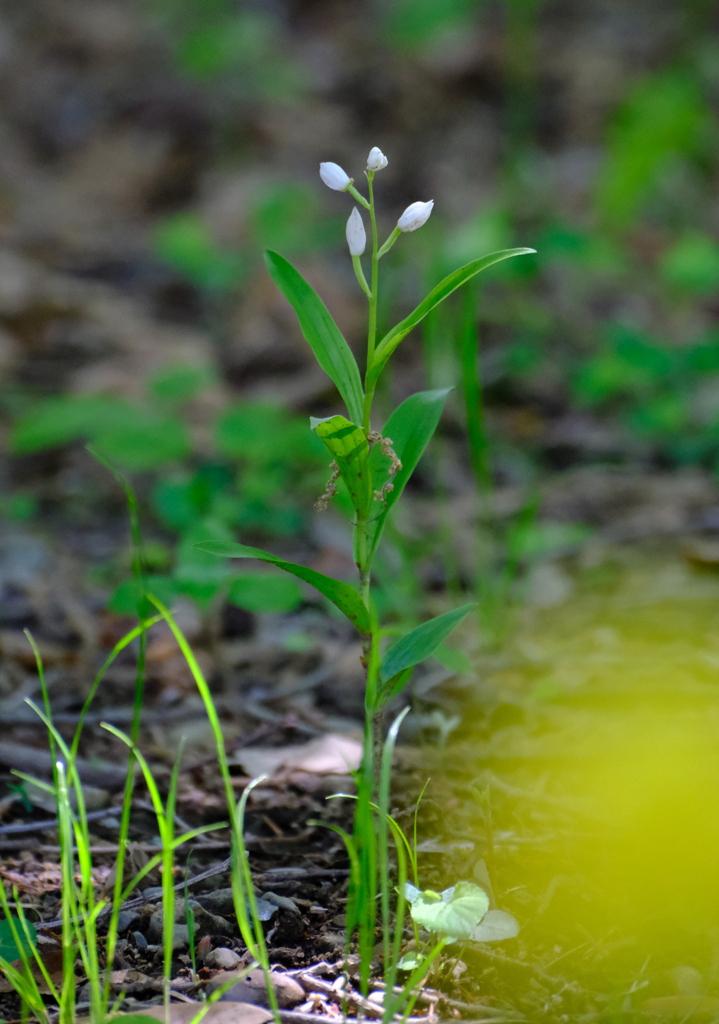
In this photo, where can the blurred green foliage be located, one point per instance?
(185, 243)
(265, 468)
(613, 317)
(664, 120)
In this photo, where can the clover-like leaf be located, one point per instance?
(410, 961)
(411, 893)
(495, 926)
(455, 917)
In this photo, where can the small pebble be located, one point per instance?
(125, 920)
(140, 940)
(252, 989)
(223, 958)
(284, 902)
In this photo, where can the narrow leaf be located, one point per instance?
(438, 294)
(340, 594)
(410, 427)
(394, 685)
(421, 642)
(348, 446)
(321, 332)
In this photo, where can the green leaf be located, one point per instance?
(135, 437)
(185, 243)
(411, 893)
(147, 443)
(180, 382)
(455, 918)
(438, 294)
(456, 661)
(389, 689)
(421, 642)
(340, 594)
(56, 421)
(258, 592)
(410, 427)
(125, 599)
(8, 947)
(496, 925)
(262, 433)
(692, 264)
(410, 960)
(321, 332)
(197, 573)
(348, 446)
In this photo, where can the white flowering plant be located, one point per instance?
(374, 465)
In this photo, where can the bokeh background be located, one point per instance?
(151, 150)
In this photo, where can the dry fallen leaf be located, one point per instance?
(52, 959)
(45, 877)
(328, 755)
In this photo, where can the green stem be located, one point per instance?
(358, 196)
(372, 325)
(359, 274)
(472, 388)
(389, 243)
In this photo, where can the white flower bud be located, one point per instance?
(376, 159)
(356, 234)
(415, 216)
(334, 177)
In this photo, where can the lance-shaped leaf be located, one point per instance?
(321, 332)
(456, 917)
(348, 446)
(421, 642)
(340, 594)
(438, 294)
(389, 689)
(410, 428)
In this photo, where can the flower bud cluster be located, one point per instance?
(413, 217)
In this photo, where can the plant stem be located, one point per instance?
(472, 388)
(372, 324)
(358, 195)
(359, 274)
